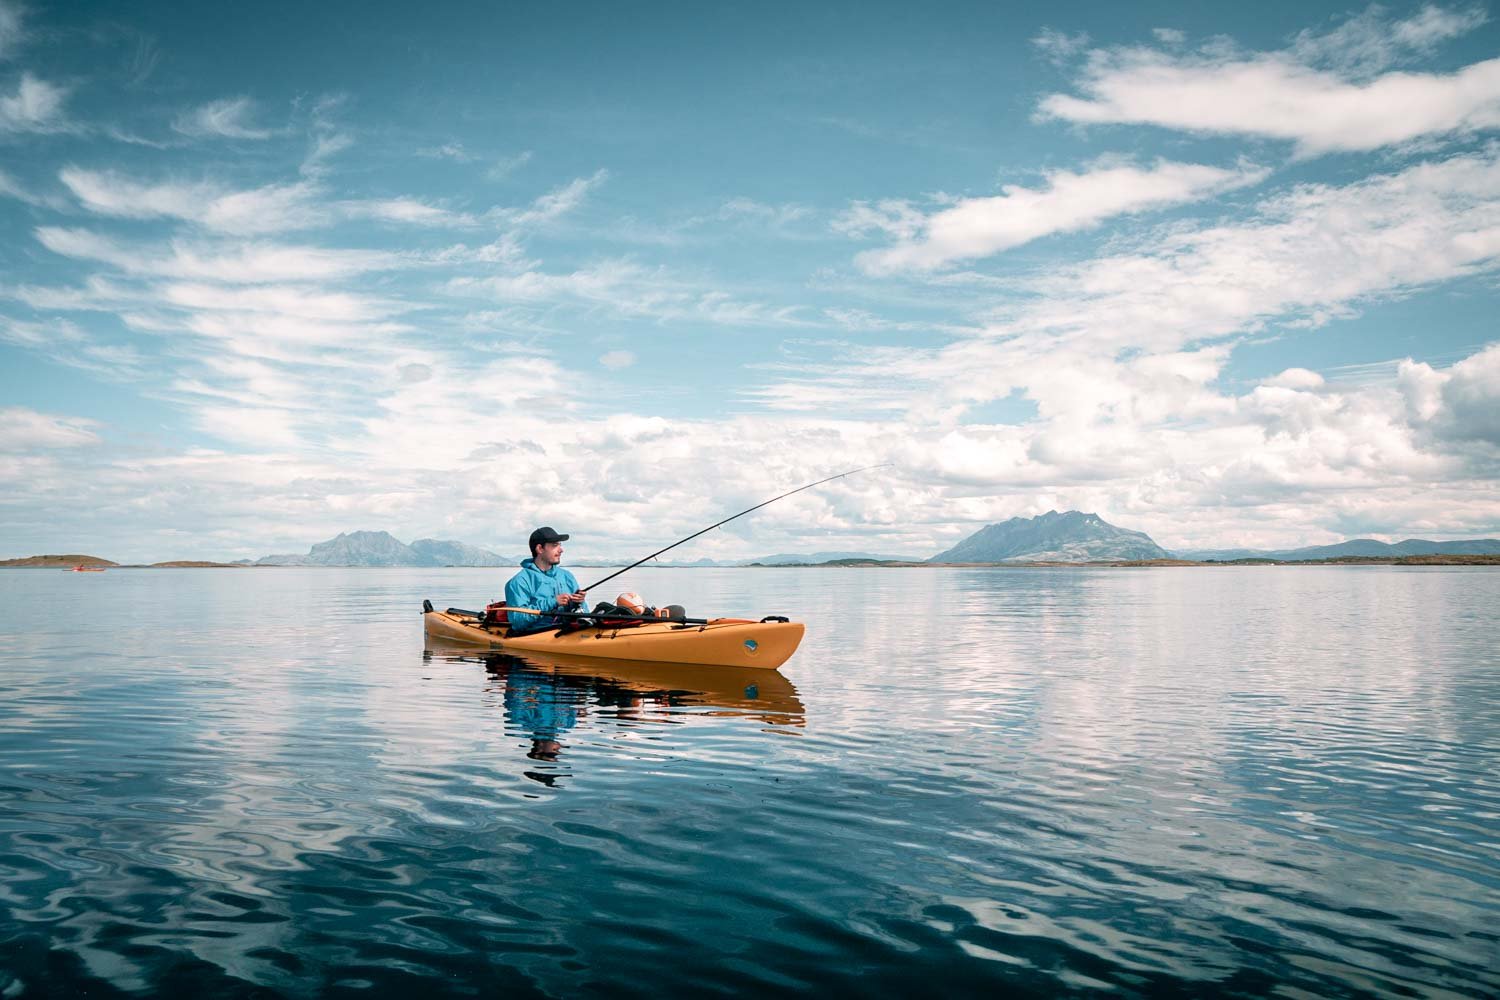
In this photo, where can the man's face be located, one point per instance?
(550, 552)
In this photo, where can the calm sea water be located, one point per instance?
(1195, 782)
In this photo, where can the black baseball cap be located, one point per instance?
(541, 535)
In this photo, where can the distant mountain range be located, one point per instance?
(380, 548)
(813, 558)
(1354, 547)
(1052, 537)
(1077, 537)
(1068, 537)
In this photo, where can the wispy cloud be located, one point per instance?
(407, 211)
(1370, 42)
(234, 262)
(271, 208)
(448, 151)
(258, 427)
(1326, 93)
(1059, 46)
(328, 135)
(507, 165)
(65, 343)
(229, 118)
(22, 429)
(35, 106)
(978, 227)
(554, 204)
(282, 300)
(498, 169)
(12, 188)
(12, 28)
(623, 287)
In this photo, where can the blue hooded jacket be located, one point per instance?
(532, 588)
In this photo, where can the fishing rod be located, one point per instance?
(726, 520)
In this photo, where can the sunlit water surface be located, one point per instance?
(1194, 782)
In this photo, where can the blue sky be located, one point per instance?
(271, 272)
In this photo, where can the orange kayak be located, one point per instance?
(726, 642)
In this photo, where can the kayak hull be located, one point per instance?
(727, 642)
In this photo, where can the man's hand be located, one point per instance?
(567, 600)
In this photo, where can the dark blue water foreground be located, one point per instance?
(1196, 782)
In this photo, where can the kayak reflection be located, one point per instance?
(545, 697)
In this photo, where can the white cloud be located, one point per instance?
(1319, 94)
(299, 301)
(1295, 378)
(978, 227)
(272, 208)
(448, 151)
(617, 359)
(229, 118)
(1059, 46)
(300, 205)
(507, 165)
(111, 194)
(237, 262)
(27, 334)
(772, 216)
(12, 30)
(327, 142)
(597, 283)
(405, 210)
(65, 343)
(1368, 42)
(22, 429)
(1461, 403)
(554, 204)
(36, 106)
(893, 216)
(1304, 258)
(12, 188)
(268, 334)
(255, 426)
(625, 288)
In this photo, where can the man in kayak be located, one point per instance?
(542, 584)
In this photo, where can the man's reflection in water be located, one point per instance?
(543, 700)
(541, 704)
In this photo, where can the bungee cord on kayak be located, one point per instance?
(536, 618)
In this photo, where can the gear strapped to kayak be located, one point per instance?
(627, 629)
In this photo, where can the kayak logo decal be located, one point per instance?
(751, 646)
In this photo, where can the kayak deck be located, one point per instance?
(729, 642)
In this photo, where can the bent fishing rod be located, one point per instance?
(726, 520)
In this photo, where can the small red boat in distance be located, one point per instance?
(85, 569)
